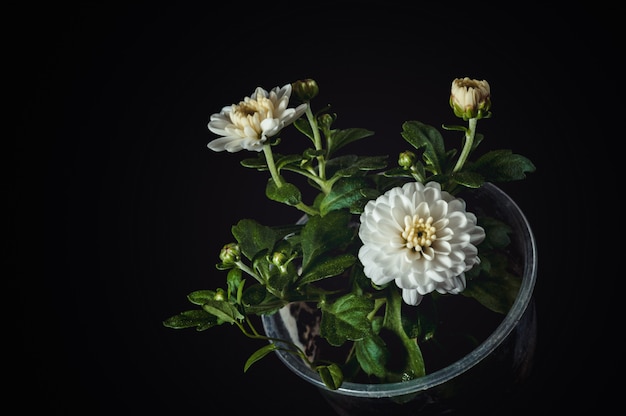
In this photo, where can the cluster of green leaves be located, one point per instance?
(340, 181)
(438, 163)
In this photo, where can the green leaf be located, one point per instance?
(200, 297)
(352, 166)
(401, 172)
(254, 237)
(281, 281)
(331, 375)
(192, 318)
(303, 125)
(372, 355)
(496, 233)
(345, 319)
(283, 161)
(339, 138)
(287, 194)
(495, 286)
(234, 280)
(330, 267)
(468, 179)
(259, 354)
(423, 136)
(223, 310)
(496, 293)
(254, 295)
(502, 166)
(323, 234)
(258, 163)
(346, 192)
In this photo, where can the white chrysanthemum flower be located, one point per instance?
(421, 237)
(247, 125)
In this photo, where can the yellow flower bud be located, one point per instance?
(470, 98)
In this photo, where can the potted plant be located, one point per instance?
(404, 286)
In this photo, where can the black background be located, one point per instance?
(120, 210)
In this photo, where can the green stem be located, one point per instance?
(393, 321)
(306, 209)
(467, 146)
(269, 158)
(317, 142)
(244, 268)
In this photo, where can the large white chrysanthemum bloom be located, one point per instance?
(420, 237)
(247, 125)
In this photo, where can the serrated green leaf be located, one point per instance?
(345, 319)
(283, 161)
(423, 136)
(254, 237)
(502, 166)
(200, 297)
(345, 193)
(340, 138)
(192, 318)
(468, 179)
(323, 234)
(361, 164)
(287, 194)
(330, 267)
(400, 172)
(223, 310)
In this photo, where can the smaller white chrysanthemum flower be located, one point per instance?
(470, 98)
(420, 237)
(247, 125)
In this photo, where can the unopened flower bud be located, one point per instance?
(470, 98)
(230, 254)
(406, 159)
(305, 89)
(279, 258)
(325, 121)
(219, 294)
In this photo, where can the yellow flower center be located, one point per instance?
(418, 232)
(262, 106)
(250, 113)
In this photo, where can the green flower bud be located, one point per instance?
(406, 159)
(305, 89)
(325, 121)
(279, 259)
(470, 98)
(219, 294)
(230, 254)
